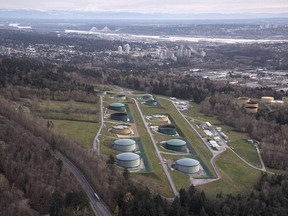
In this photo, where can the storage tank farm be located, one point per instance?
(167, 129)
(128, 160)
(124, 145)
(187, 165)
(176, 145)
(120, 117)
(117, 107)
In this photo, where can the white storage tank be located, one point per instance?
(187, 165)
(128, 160)
(125, 145)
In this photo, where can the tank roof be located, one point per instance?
(127, 156)
(188, 162)
(119, 114)
(167, 126)
(176, 142)
(124, 142)
(117, 105)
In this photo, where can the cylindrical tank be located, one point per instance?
(188, 165)
(128, 160)
(117, 107)
(252, 104)
(277, 103)
(163, 118)
(267, 99)
(251, 109)
(147, 97)
(125, 145)
(241, 101)
(151, 102)
(119, 116)
(175, 145)
(123, 129)
(285, 99)
(122, 97)
(167, 129)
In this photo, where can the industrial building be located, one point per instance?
(128, 160)
(167, 129)
(148, 97)
(122, 97)
(214, 145)
(122, 129)
(277, 103)
(151, 103)
(125, 145)
(120, 117)
(187, 165)
(176, 145)
(117, 107)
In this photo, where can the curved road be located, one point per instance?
(157, 151)
(98, 207)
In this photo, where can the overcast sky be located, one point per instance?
(147, 6)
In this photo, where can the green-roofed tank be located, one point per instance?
(176, 145)
(187, 165)
(117, 107)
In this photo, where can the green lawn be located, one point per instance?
(71, 117)
(236, 176)
(83, 132)
(68, 106)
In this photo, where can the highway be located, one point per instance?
(98, 207)
(96, 142)
(164, 167)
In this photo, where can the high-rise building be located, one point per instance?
(120, 51)
(127, 48)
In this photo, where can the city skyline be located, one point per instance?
(151, 6)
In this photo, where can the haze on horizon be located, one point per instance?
(152, 6)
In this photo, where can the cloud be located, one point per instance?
(170, 6)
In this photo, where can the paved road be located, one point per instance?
(164, 167)
(98, 207)
(96, 142)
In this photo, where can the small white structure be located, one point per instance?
(215, 145)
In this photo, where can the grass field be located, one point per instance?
(72, 117)
(65, 106)
(236, 176)
(83, 132)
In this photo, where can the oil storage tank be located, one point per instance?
(151, 103)
(128, 160)
(167, 129)
(267, 99)
(241, 101)
(119, 116)
(175, 145)
(125, 145)
(117, 107)
(122, 129)
(148, 97)
(187, 165)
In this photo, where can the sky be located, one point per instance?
(153, 6)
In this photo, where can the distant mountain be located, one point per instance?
(34, 14)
